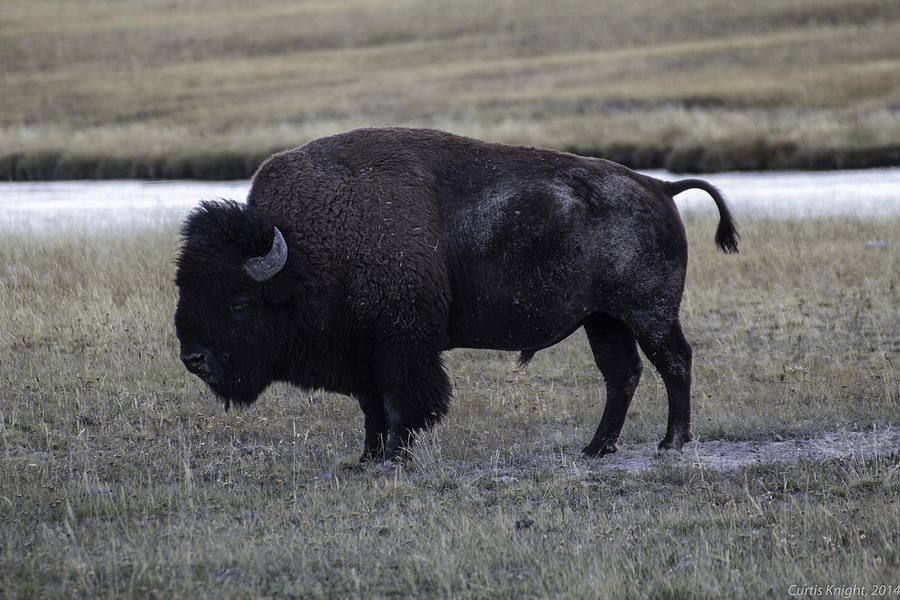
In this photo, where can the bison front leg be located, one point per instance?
(376, 425)
(416, 396)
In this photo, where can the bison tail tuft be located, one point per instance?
(727, 235)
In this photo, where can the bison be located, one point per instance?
(359, 258)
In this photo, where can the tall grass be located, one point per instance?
(120, 476)
(208, 88)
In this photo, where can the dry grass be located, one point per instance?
(178, 85)
(119, 475)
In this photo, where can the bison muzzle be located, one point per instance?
(359, 258)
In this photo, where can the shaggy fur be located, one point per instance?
(404, 243)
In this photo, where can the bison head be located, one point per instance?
(235, 300)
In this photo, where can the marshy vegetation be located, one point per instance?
(120, 475)
(207, 88)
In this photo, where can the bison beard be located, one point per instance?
(358, 259)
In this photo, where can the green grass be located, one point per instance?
(207, 88)
(120, 476)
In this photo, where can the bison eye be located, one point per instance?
(239, 306)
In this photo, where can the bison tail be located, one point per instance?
(726, 233)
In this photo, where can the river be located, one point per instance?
(97, 205)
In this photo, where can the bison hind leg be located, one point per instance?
(415, 398)
(616, 355)
(668, 350)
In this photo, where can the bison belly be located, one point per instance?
(499, 306)
(524, 277)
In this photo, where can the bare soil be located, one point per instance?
(731, 455)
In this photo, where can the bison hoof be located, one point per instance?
(675, 441)
(602, 449)
(371, 457)
(396, 453)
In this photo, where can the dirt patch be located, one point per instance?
(718, 455)
(725, 455)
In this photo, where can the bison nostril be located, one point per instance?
(195, 362)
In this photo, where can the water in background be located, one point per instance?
(90, 205)
(97, 205)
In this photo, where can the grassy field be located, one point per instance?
(121, 477)
(207, 88)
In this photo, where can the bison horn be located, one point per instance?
(263, 268)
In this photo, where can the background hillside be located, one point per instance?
(207, 88)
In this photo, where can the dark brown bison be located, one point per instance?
(359, 258)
